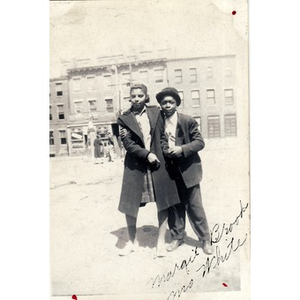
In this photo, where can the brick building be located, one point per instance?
(58, 115)
(93, 93)
(206, 86)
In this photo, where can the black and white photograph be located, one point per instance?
(149, 158)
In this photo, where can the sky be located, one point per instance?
(89, 29)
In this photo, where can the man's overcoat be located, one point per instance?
(135, 165)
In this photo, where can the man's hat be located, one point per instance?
(169, 91)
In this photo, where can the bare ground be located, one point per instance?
(87, 232)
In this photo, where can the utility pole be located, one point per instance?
(115, 68)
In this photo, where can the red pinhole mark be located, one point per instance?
(234, 12)
(225, 284)
(74, 297)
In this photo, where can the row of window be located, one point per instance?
(62, 137)
(214, 125)
(213, 128)
(60, 112)
(109, 83)
(143, 77)
(193, 74)
(78, 105)
(178, 77)
(210, 97)
(195, 95)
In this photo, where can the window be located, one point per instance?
(159, 75)
(92, 105)
(193, 75)
(210, 96)
(78, 107)
(109, 105)
(195, 98)
(228, 72)
(181, 97)
(209, 72)
(90, 83)
(50, 113)
(60, 112)
(178, 75)
(198, 119)
(63, 137)
(230, 125)
(228, 97)
(51, 138)
(126, 78)
(213, 126)
(144, 76)
(107, 80)
(58, 89)
(76, 84)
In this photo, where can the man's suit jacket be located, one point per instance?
(190, 139)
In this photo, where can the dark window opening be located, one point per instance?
(51, 138)
(213, 127)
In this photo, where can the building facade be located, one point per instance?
(90, 97)
(206, 86)
(58, 116)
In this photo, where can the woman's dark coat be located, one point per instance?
(135, 165)
(98, 151)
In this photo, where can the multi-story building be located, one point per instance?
(206, 86)
(99, 92)
(58, 115)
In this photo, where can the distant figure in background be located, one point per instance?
(110, 151)
(98, 148)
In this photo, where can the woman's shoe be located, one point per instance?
(129, 247)
(161, 251)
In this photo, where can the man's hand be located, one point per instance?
(123, 132)
(152, 158)
(175, 151)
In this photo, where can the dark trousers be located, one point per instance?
(191, 203)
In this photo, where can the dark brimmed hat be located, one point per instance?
(169, 91)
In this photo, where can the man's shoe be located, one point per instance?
(129, 247)
(207, 247)
(174, 245)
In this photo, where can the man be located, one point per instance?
(181, 141)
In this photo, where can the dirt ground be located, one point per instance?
(87, 232)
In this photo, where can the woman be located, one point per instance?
(145, 178)
(98, 147)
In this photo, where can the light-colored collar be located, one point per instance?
(173, 119)
(140, 113)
